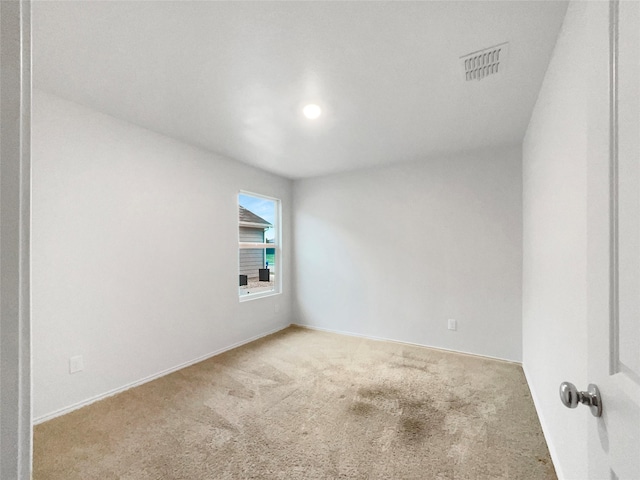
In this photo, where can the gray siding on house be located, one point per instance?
(251, 259)
(248, 234)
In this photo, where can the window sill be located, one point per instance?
(254, 296)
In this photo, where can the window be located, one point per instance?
(258, 245)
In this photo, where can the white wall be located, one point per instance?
(555, 153)
(394, 252)
(134, 253)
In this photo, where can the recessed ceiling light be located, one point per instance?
(312, 111)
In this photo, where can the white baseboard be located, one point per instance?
(110, 393)
(382, 339)
(543, 424)
(150, 378)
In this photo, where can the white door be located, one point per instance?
(614, 244)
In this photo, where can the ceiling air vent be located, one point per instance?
(484, 63)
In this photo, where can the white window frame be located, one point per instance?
(277, 245)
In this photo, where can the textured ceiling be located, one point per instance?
(232, 77)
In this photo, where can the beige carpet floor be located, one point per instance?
(303, 404)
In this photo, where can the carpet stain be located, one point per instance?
(378, 392)
(246, 394)
(361, 408)
(412, 429)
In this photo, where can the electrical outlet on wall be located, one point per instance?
(76, 364)
(452, 324)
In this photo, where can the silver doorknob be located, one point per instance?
(570, 397)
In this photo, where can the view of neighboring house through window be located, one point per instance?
(258, 227)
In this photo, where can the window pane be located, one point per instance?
(257, 219)
(257, 270)
(258, 224)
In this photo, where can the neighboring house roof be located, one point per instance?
(250, 219)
